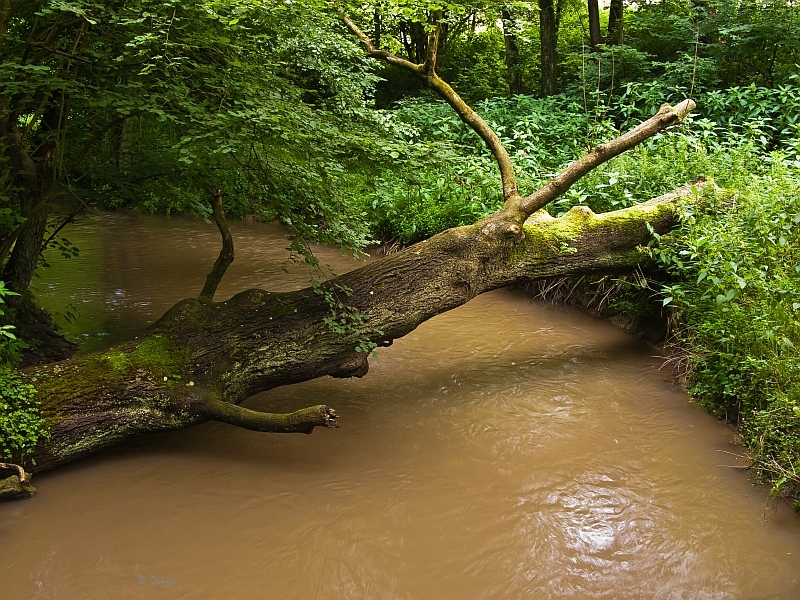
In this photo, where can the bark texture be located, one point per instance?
(548, 37)
(616, 23)
(513, 70)
(595, 37)
(203, 358)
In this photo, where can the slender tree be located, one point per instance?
(513, 70)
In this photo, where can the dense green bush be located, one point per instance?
(736, 270)
(21, 425)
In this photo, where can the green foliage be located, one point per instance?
(443, 176)
(11, 346)
(736, 288)
(21, 425)
(476, 64)
(265, 100)
(345, 319)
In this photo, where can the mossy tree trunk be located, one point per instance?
(203, 358)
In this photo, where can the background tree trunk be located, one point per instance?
(37, 182)
(595, 37)
(513, 71)
(615, 23)
(548, 36)
(377, 27)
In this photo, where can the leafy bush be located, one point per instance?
(10, 345)
(21, 425)
(736, 288)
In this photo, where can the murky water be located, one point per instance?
(503, 450)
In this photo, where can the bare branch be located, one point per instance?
(300, 421)
(428, 74)
(13, 467)
(479, 126)
(225, 257)
(58, 52)
(11, 489)
(665, 117)
(373, 52)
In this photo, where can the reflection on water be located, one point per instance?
(502, 450)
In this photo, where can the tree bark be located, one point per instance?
(513, 71)
(595, 37)
(377, 27)
(615, 23)
(24, 258)
(202, 358)
(548, 37)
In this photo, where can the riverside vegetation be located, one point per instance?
(152, 104)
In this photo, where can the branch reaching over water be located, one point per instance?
(226, 255)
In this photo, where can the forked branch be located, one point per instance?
(517, 207)
(427, 72)
(376, 53)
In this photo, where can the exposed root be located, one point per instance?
(13, 467)
(16, 486)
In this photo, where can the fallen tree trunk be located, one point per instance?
(203, 358)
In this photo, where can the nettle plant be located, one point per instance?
(21, 425)
(10, 345)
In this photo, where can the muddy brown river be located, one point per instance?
(506, 449)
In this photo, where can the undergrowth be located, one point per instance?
(734, 267)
